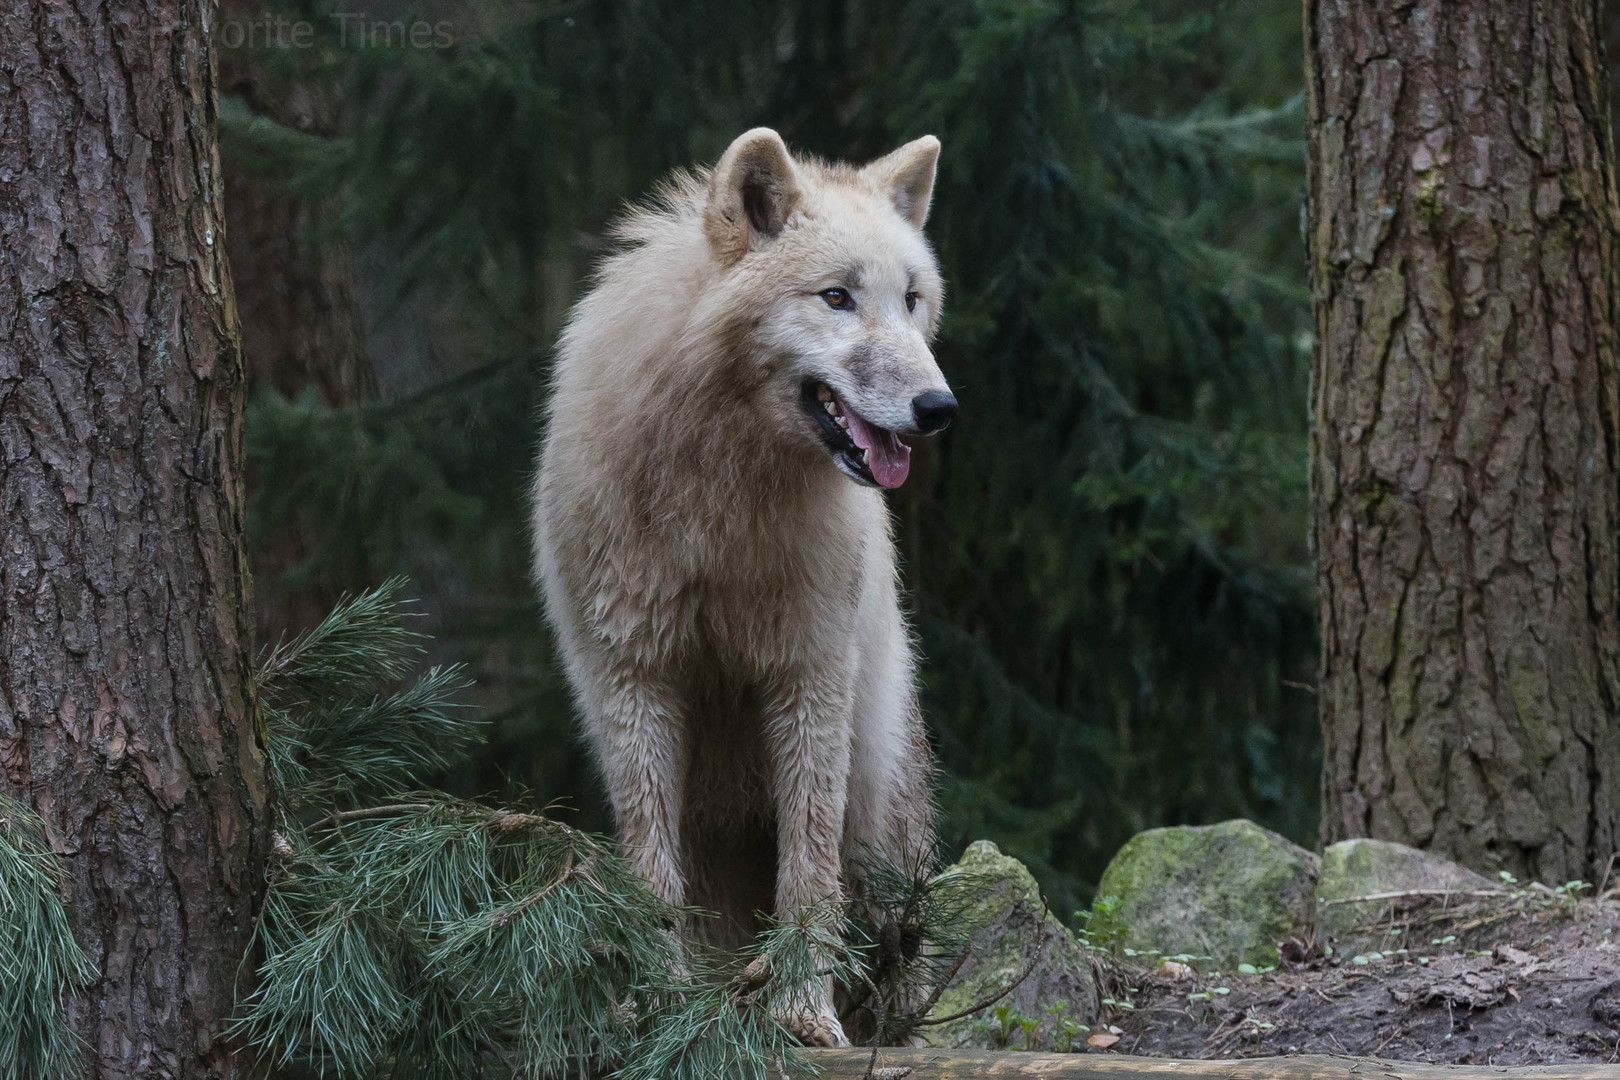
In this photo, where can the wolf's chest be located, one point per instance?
(746, 595)
(744, 585)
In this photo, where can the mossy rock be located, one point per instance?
(1355, 868)
(1230, 892)
(1012, 928)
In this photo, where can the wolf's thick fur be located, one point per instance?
(723, 593)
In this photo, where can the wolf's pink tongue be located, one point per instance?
(887, 457)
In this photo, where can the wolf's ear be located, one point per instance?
(907, 174)
(751, 193)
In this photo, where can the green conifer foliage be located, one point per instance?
(412, 935)
(40, 963)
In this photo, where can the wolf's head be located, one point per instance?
(847, 290)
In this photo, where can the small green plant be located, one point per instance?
(1009, 1020)
(1567, 895)
(1065, 1029)
(916, 926)
(1101, 927)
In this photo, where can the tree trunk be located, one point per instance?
(294, 272)
(127, 714)
(295, 281)
(300, 319)
(1462, 224)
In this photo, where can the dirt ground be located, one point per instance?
(1537, 985)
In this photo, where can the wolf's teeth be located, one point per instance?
(842, 422)
(825, 393)
(832, 408)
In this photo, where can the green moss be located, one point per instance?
(1358, 867)
(1013, 880)
(1013, 928)
(1230, 892)
(1426, 193)
(1367, 867)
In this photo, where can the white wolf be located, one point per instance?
(715, 559)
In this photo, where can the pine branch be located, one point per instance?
(361, 644)
(348, 748)
(394, 810)
(40, 962)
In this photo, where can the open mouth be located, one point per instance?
(863, 451)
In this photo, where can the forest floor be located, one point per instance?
(1535, 984)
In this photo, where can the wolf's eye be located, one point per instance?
(838, 298)
(911, 301)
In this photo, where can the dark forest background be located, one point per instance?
(1105, 556)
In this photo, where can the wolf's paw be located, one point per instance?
(818, 1028)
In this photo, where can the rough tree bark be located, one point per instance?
(1462, 225)
(127, 713)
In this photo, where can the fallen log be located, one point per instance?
(930, 1064)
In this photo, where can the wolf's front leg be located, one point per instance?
(640, 736)
(807, 736)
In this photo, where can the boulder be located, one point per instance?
(1229, 892)
(1355, 868)
(1050, 1009)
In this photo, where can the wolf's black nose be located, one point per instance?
(933, 410)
